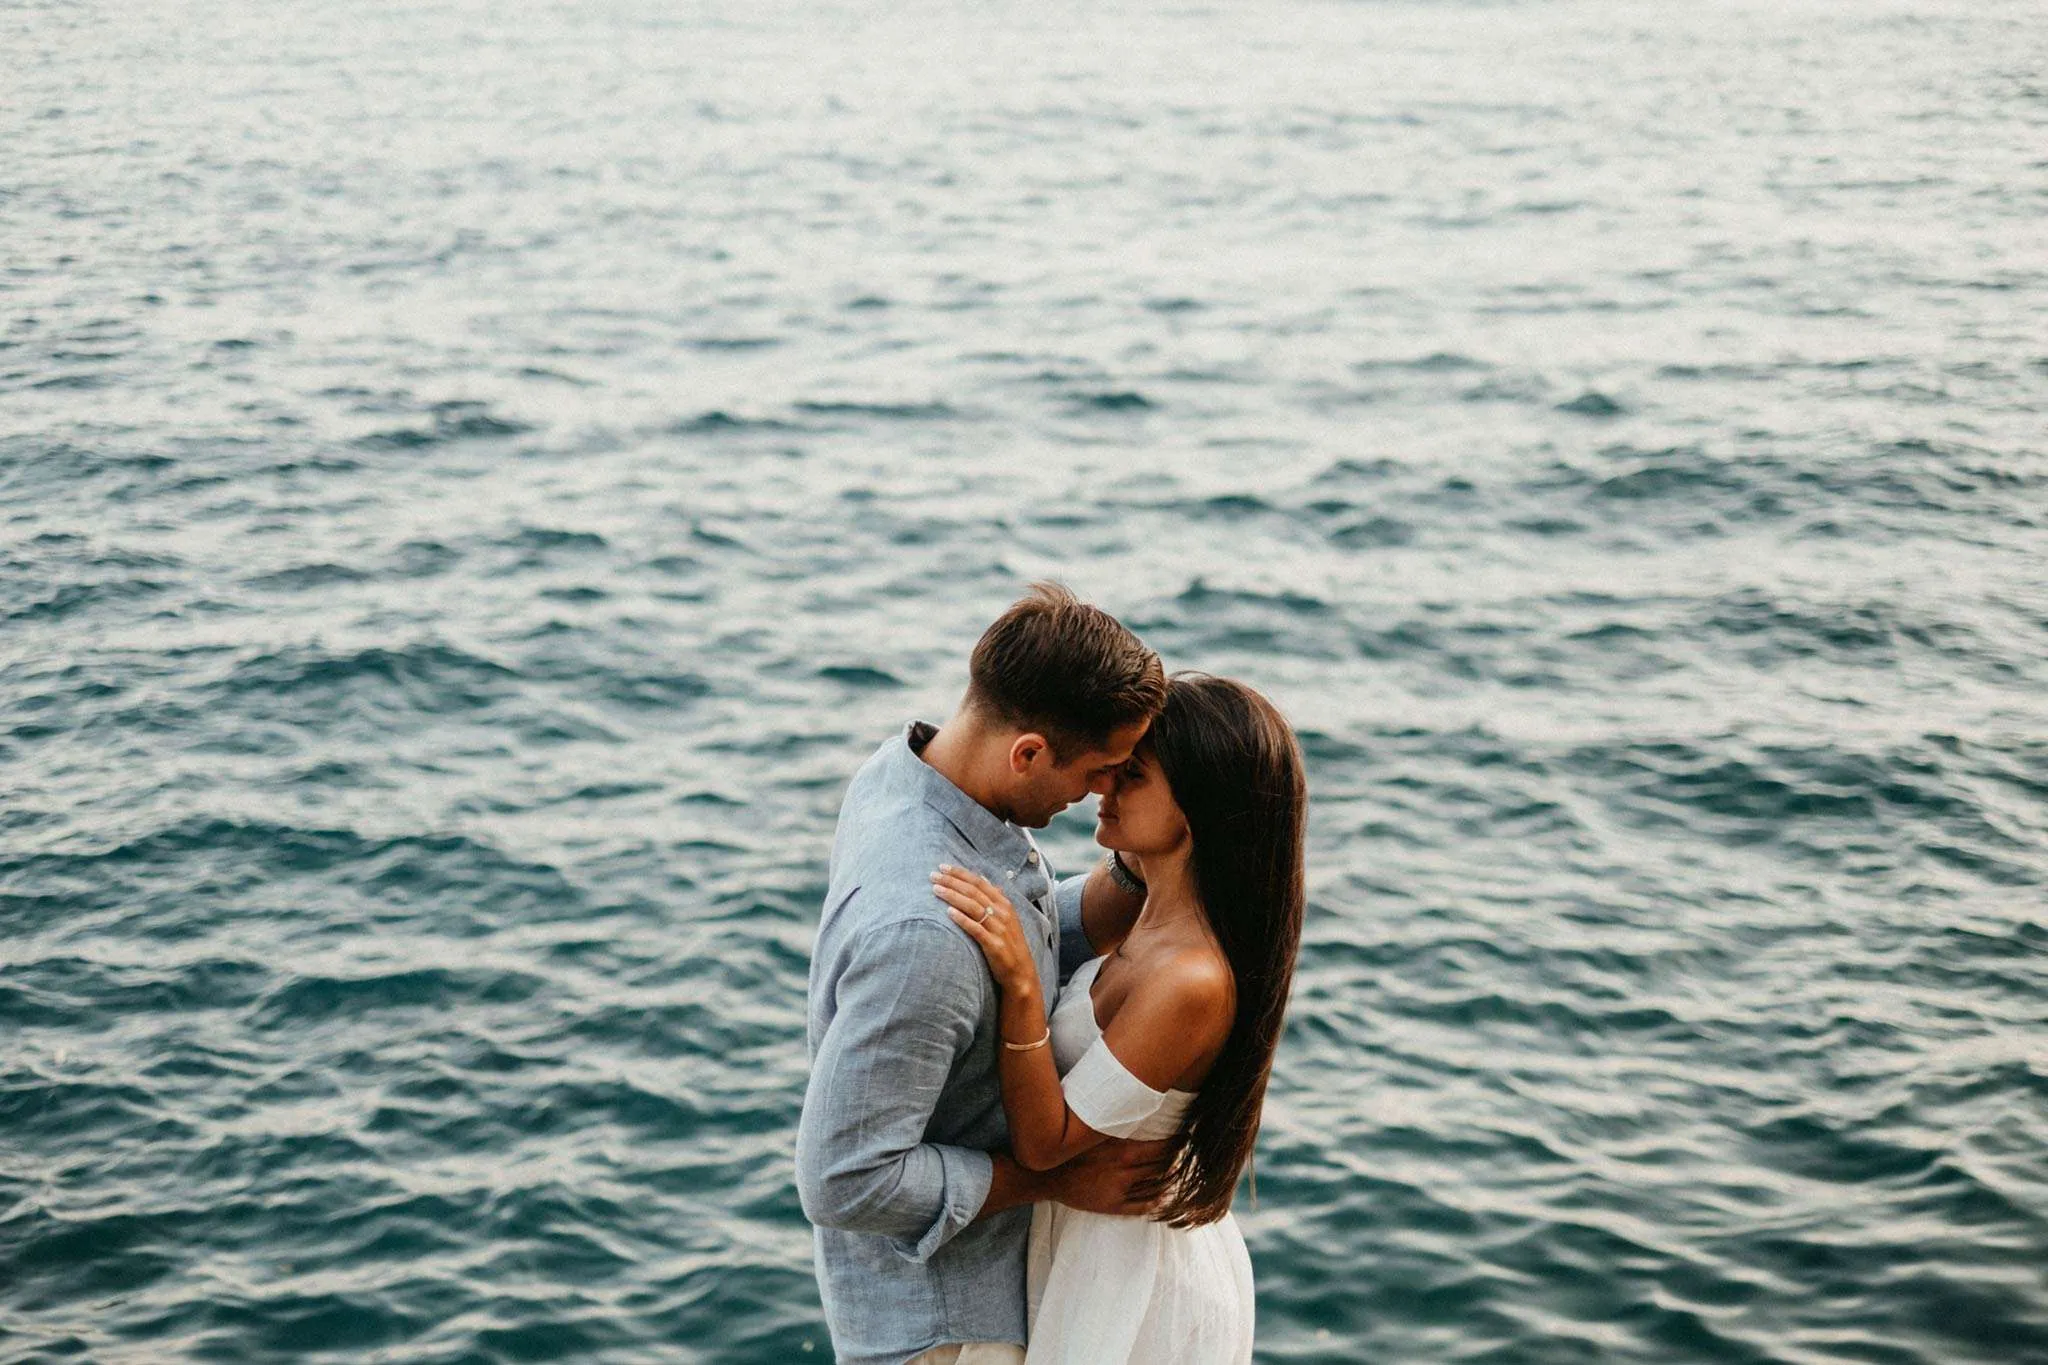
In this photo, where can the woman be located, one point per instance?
(1170, 1035)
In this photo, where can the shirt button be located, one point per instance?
(1011, 874)
(1032, 857)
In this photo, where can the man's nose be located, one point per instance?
(1102, 784)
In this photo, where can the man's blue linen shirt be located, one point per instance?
(904, 1102)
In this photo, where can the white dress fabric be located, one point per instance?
(1128, 1291)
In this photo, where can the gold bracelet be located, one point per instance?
(1028, 1047)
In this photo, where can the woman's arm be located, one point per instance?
(1158, 1034)
(1095, 911)
(1043, 1131)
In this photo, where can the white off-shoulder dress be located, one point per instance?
(1129, 1291)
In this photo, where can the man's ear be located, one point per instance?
(1024, 749)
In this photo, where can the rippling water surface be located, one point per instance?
(476, 479)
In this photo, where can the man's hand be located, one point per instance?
(1100, 1179)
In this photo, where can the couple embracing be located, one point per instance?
(1031, 1098)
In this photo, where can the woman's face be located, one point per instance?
(1138, 813)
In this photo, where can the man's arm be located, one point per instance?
(907, 1004)
(1095, 916)
(1011, 1185)
(1097, 1181)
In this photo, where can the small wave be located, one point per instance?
(1810, 1146)
(73, 990)
(455, 421)
(554, 376)
(1199, 594)
(1592, 403)
(305, 576)
(1824, 797)
(1436, 362)
(76, 1108)
(1655, 481)
(1359, 471)
(1120, 400)
(1507, 388)
(292, 1325)
(428, 678)
(406, 869)
(1868, 632)
(858, 675)
(898, 412)
(718, 422)
(1723, 371)
(703, 534)
(1222, 507)
(1374, 533)
(73, 598)
(312, 999)
(552, 538)
(652, 691)
(665, 1031)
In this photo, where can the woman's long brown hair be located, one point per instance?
(1235, 770)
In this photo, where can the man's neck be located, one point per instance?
(962, 753)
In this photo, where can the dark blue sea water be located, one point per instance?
(476, 479)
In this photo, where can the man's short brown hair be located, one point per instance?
(1072, 672)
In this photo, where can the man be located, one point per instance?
(921, 1219)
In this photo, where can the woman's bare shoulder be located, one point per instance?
(1193, 985)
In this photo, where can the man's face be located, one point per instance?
(1047, 788)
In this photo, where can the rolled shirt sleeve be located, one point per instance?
(905, 1009)
(1074, 946)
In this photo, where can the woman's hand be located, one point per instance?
(979, 906)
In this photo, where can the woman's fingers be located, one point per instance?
(984, 918)
(974, 928)
(989, 923)
(979, 890)
(974, 907)
(953, 895)
(969, 877)
(979, 906)
(960, 877)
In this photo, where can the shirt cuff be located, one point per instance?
(965, 1177)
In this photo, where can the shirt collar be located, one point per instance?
(992, 837)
